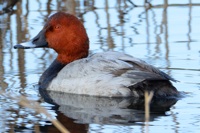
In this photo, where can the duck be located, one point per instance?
(103, 74)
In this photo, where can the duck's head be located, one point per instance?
(65, 34)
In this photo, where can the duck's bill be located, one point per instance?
(37, 42)
(25, 45)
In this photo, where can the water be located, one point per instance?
(166, 36)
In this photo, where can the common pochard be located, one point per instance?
(107, 74)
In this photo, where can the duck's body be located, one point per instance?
(108, 74)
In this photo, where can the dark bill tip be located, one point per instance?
(25, 45)
(18, 46)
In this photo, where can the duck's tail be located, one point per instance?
(160, 89)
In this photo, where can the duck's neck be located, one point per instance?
(50, 74)
(62, 60)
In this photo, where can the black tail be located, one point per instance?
(160, 88)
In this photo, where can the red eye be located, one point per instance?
(57, 27)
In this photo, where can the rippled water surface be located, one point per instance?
(164, 33)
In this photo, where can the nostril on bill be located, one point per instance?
(35, 39)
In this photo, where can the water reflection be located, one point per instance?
(163, 33)
(86, 109)
(8, 6)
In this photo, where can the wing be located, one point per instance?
(133, 67)
(145, 67)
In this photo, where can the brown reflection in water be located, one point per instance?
(49, 7)
(163, 30)
(67, 5)
(3, 84)
(68, 123)
(189, 24)
(20, 36)
(110, 41)
(8, 6)
(165, 24)
(122, 9)
(147, 30)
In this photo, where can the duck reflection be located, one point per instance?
(102, 110)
